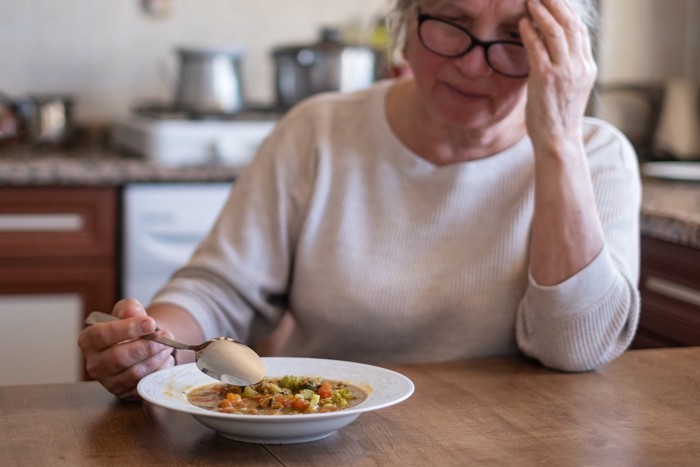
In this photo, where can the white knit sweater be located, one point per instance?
(382, 256)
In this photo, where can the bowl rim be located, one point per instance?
(174, 397)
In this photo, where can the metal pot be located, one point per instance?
(328, 65)
(209, 80)
(40, 119)
(50, 119)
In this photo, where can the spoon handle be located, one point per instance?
(166, 341)
(100, 317)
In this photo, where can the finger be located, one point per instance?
(587, 45)
(101, 336)
(123, 384)
(121, 367)
(122, 356)
(537, 53)
(566, 15)
(577, 30)
(550, 31)
(562, 10)
(132, 394)
(125, 364)
(128, 308)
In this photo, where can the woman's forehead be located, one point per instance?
(477, 6)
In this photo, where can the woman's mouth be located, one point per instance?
(467, 93)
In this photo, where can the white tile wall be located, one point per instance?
(110, 54)
(650, 40)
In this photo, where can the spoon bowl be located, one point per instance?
(221, 358)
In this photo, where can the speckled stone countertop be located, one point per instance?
(97, 167)
(670, 209)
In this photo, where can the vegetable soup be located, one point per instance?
(278, 396)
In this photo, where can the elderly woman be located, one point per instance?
(467, 211)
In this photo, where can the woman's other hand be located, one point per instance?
(562, 73)
(115, 355)
(566, 229)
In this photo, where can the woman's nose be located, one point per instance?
(474, 63)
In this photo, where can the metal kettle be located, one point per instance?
(209, 80)
(328, 65)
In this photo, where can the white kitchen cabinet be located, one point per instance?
(37, 338)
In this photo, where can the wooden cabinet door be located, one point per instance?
(670, 289)
(57, 256)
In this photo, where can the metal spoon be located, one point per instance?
(221, 358)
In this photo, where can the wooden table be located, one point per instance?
(642, 409)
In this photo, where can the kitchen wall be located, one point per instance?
(653, 43)
(650, 40)
(110, 54)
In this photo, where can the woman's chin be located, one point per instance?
(466, 118)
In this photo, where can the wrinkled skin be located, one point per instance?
(115, 355)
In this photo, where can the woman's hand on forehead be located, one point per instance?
(562, 69)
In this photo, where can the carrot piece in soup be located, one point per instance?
(325, 390)
(300, 404)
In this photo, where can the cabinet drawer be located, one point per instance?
(669, 315)
(670, 289)
(56, 222)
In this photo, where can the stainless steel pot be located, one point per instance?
(50, 119)
(40, 119)
(209, 80)
(328, 65)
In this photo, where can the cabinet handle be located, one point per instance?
(673, 290)
(68, 222)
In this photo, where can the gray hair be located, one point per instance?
(402, 12)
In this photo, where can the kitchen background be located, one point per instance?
(649, 74)
(112, 54)
(650, 40)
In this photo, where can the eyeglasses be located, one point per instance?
(450, 40)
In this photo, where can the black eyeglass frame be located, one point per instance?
(475, 42)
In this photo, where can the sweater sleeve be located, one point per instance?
(591, 318)
(237, 281)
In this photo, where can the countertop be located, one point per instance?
(20, 166)
(670, 209)
(641, 409)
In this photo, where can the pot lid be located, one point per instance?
(209, 51)
(330, 40)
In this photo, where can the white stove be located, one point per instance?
(175, 140)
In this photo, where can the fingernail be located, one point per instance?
(147, 325)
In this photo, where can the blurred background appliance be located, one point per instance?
(163, 224)
(172, 138)
(327, 65)
(51, 119)
(206, 122)
(679, 126)
(209, 80)
(38, 119)
(635, 109)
